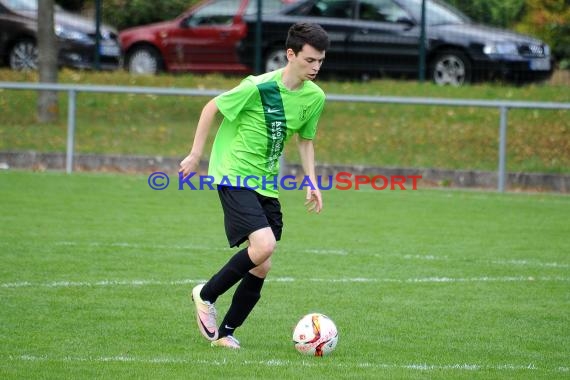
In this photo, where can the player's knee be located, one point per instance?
(262, 249)
(266, 248)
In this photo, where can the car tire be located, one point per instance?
(23, 55)
(451, 67)
(275, 59)
(144, 60)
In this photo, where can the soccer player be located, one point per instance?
(259, 116)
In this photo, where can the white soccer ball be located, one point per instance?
(315, 335)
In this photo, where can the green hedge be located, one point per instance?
(502, 13)
(126, 13)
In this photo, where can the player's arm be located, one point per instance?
(207, 117)
(314, 201)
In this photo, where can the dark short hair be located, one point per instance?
(307, 33)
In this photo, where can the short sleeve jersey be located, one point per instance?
(260, 115)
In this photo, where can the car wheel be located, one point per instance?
(144, 60)
(276, 59)
(451, 68)
(23, 55)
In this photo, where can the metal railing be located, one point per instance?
(502, 105)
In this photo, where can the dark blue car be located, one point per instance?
(381, 37)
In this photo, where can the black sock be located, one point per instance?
(228, 276)
(245, 298)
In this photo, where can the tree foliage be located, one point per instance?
(549, 20)
(126, 13)
(502, 13)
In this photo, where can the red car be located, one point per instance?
(203, 39)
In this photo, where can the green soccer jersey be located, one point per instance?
(260, 115)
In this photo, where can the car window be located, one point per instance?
(268, 6)
(381, 10)
(436, 13)
(325, 8)
(21, 5)
(219, 12)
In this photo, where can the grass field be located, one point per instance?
(349, 133)
(96, 271)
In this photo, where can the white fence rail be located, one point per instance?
(502, 105)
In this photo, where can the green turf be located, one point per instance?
(96, 271)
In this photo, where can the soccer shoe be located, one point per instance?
(227, 341)
(205, 315)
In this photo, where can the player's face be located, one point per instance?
(307, 62)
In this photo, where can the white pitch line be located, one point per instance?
(163, 247)
(140, 283)
(341, 252)
(513, 263)
(142, 246)
(530, 263)
(424, 257)
(286, 363)
(315, 251)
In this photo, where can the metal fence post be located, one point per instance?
(70, 131)
(502, 150)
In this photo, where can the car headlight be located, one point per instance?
(501, 48)
(70, 34)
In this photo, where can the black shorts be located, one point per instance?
(246, 211)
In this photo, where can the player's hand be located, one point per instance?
(314, 201)
(189, 165)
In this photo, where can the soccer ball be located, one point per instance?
(315, 335)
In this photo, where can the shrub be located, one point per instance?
(549, 20)
(502, 13)
(126, 13)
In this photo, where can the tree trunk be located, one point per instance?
(48, 108)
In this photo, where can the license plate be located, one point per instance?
(109, 50)
(542, 64)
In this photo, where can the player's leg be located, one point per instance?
(248, 291)
(261, 246)
(244, 218)
(245, 298)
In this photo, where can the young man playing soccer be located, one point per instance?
(260, 115)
